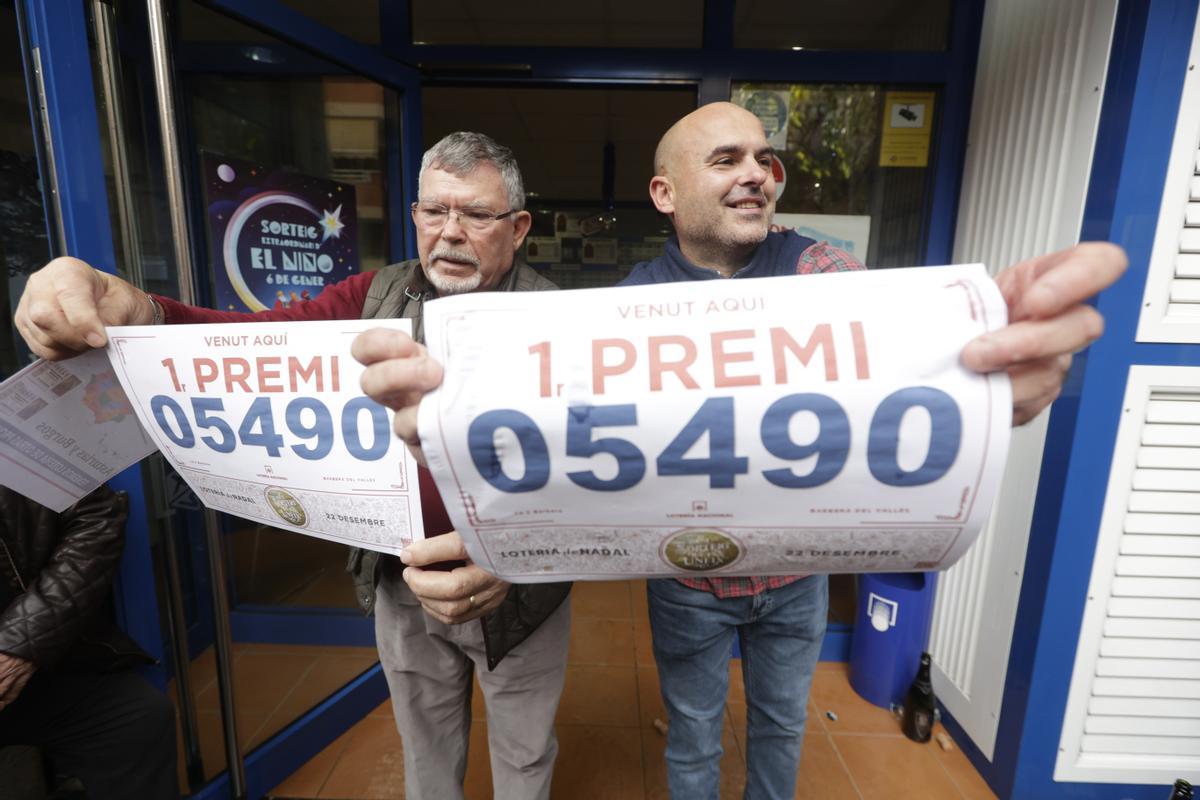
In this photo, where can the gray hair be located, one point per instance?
(461, 152)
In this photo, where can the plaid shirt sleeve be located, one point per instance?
(824, 257)
(819, 258)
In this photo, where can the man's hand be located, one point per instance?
(454, 597)
(399, 373)
(66, 305)
(1048, 320)
(14, 674)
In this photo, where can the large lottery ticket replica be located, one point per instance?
(267, 421)
(774, 426)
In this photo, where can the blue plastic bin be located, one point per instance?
(895, 611)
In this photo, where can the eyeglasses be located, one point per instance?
(433, 216)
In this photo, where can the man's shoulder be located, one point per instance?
(399, 271)
(657, 270)
(642, 273)
(528, 279)
(815, 255)
(392, 278)
(383, 297)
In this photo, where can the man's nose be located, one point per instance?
(755, 174)
(453, 230)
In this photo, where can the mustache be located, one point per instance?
(450, 254)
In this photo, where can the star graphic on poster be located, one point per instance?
(332, 223)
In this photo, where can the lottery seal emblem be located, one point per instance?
(701, 550)
(286, 506)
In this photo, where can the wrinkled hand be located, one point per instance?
(457, 596)
(399, 373)
(14, 674)
(1048, 320)
(66, 305)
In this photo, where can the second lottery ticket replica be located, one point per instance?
(65, 428)
(773, 426)
(266, 421)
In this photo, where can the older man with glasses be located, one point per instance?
(470, 222)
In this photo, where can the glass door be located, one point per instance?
(257, 113)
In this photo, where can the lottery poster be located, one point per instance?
(276, 237)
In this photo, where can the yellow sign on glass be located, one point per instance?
(907, 124)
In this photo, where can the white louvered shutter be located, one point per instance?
(1184, 300)
(1133, 712)
(1171, 305)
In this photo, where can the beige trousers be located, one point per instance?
(429, 666)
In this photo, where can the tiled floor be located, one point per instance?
(609, 747)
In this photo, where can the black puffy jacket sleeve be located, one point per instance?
(69, 561)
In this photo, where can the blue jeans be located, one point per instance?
(780, 632)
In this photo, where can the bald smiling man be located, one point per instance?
(713, 180)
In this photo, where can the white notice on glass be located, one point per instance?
(763, 427)
(65, 428)
(267, 421)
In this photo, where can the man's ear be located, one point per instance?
(521, 222)
(662, 194)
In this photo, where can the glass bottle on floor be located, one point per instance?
(920, 704)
